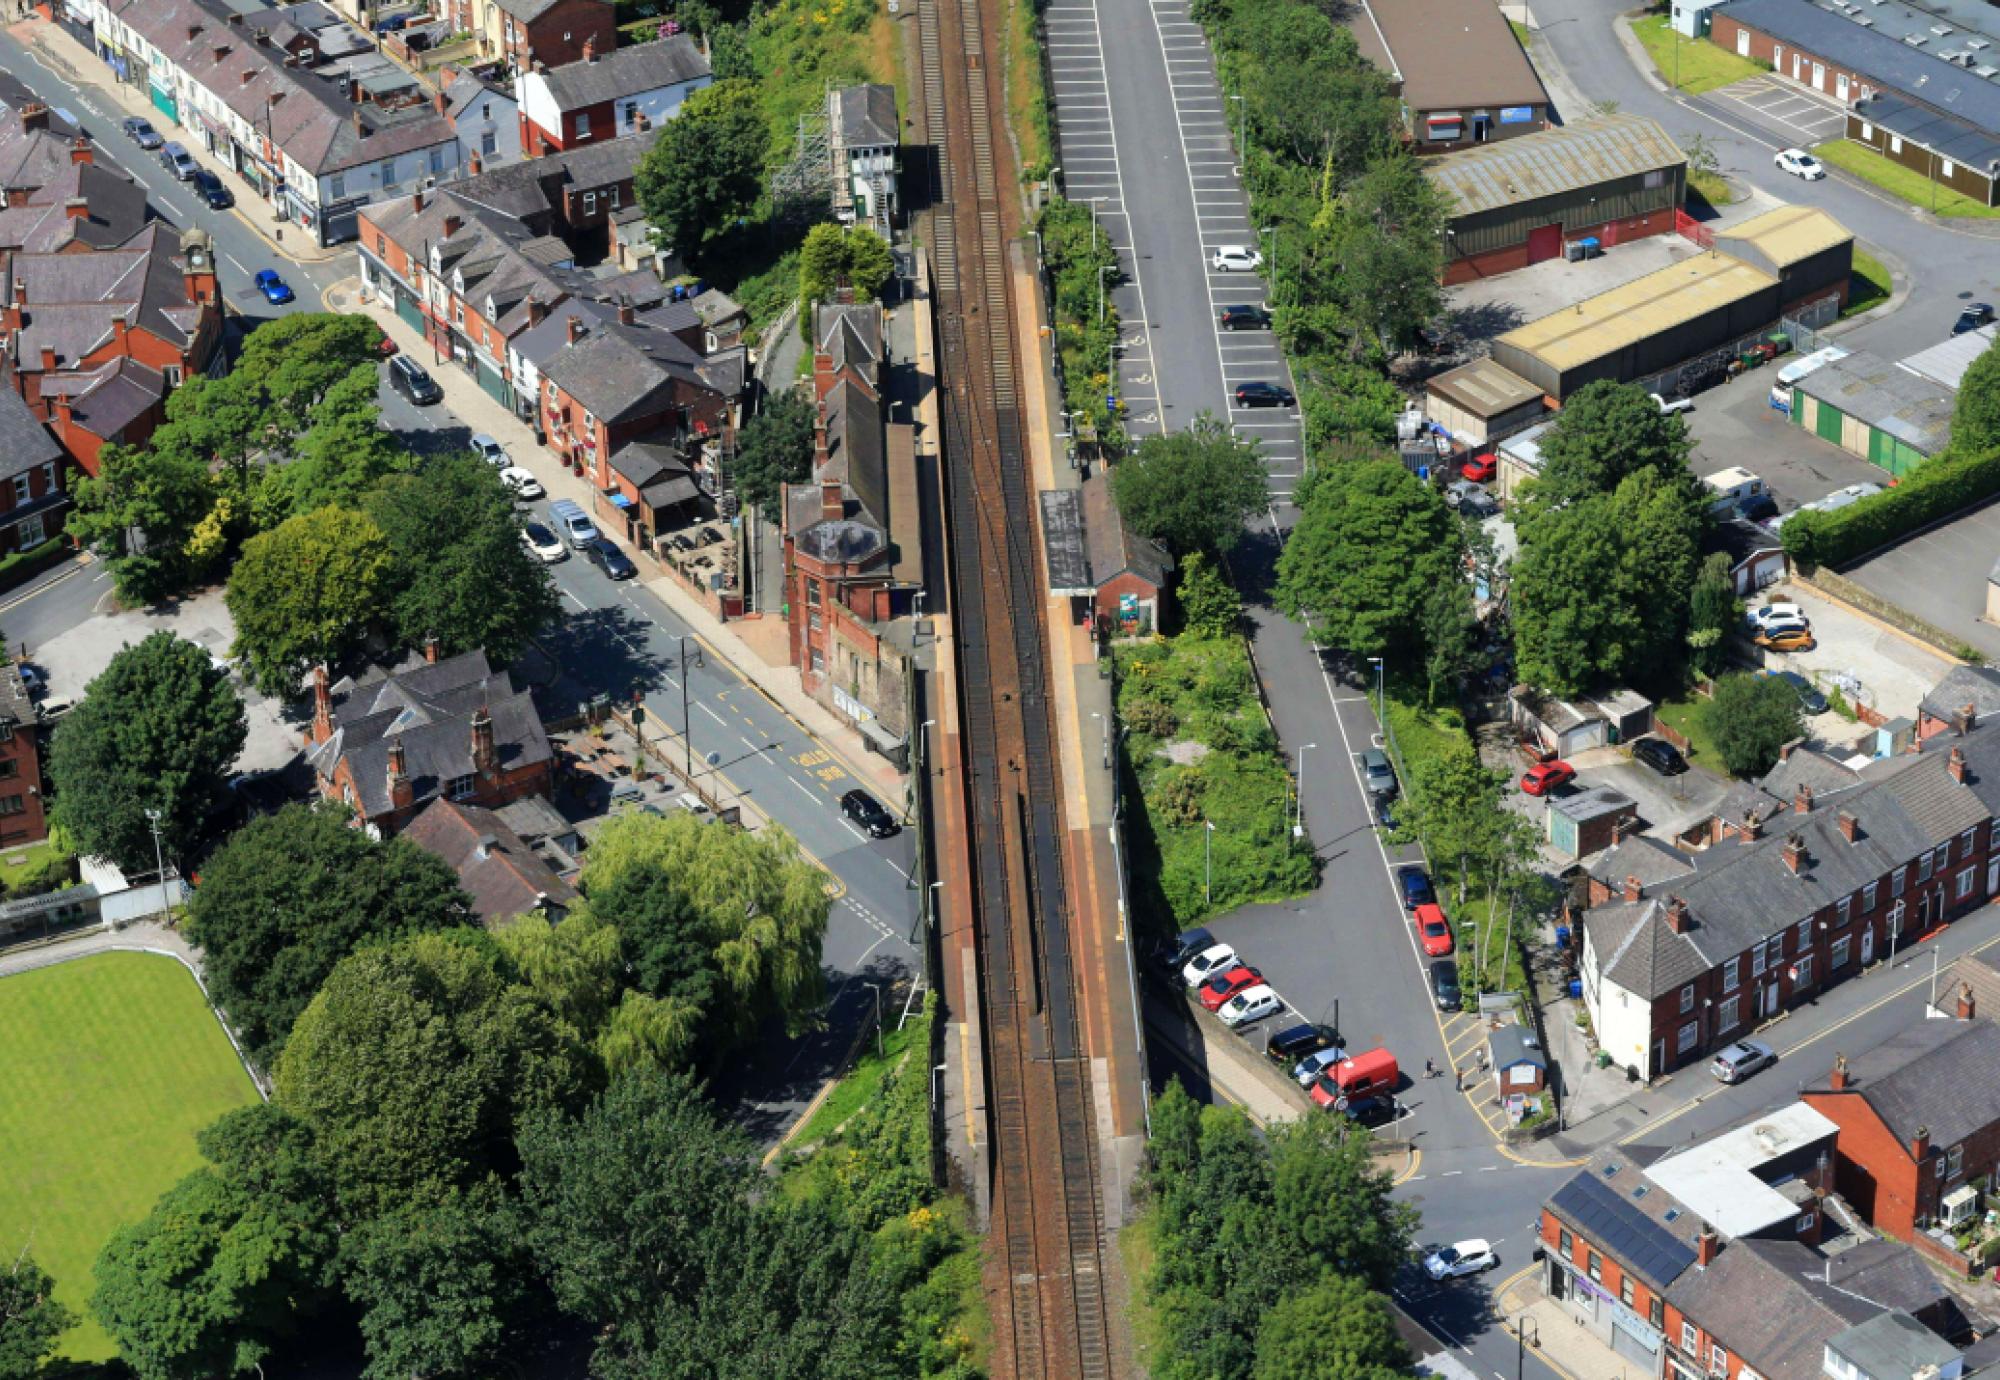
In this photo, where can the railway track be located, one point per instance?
(1045, 1251)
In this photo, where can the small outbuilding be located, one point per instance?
(1517, 1060)
(1756, 556)
(1480, 402)
(1876, 409)
(1588, 821)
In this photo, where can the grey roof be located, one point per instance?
(1764, 1302)
(1888, 62)
(1892, 1344)
(657, 471)
(503, 876)
(1515, 1044)
(1944, 1075)
(1946, 135)
(619, 372)
(1883, 395)
(626, 72)
(40, 222)
(1592, 803)
(106, 400)
(15, 705)
(1740, 539)
(1640, 1226)
(1947, 361)
(1114, 548)
(864, 117)
(1803, 766)
(1889, 1274)
(466, 88)
(532, 189)
(842, 540)
(526, 10)
(851, 334)
(857, 446)
(1062, 542)
(1550, 162)
(72, 298)
(24, 441)
(1649, 859)
(1978, 686)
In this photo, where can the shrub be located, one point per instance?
(1932, 491)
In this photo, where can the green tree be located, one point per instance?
(1711, 614)
(1335, 1330)
(775, 447)
(289, 895)
(343, 454)
(416, 1062)
(1749, 719)
(1209, 603)
(836, 256)
(1975, 417)
(156, 732)
(301, 594)
(1334, 1205)
(30, 1319)
(1451, 638)
(1342, 401)
(705, 169)
(574, 965)
(1384, 240)
(140, 513)
(1314, 97)
(460, 572)
(730, 58)
(1605, 432)
(1191, 490)
(229, 1261)
(1372, 542)
(444, 1287)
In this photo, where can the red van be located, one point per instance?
(1370, 1074)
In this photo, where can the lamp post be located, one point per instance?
(1382, 706)
(1106, 723)
(1207, 832)
(1242, 128)
(1102, 269)
(159, 861)
(687, 721)
(877, 990)
(1272, 231)
(1299, 814)
(1521, 1326)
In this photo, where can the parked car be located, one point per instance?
(1444, 984)
(1433, 930)
(1218, 958)
(491, 451)
(1287, 1046)
(1799, 164)
(1786, 640)
(1185, 946)
(141, 132)
(1261, 394)
(543, 543)
(1672, 405)
(1780, 612)
(1810, 699)
(1376, 773)
(276, 291)
(1734, 1063)
(1544, 777)
(209, 188)
(1244, 318)
(1223, 986)
(1464, 1258)
(610, 560)
(572, 522)
(409, 378)
(1661, 755)
(1416, 885)
(1369, 1111)
(1235, 258)
(1480, 469)
(1310, 1069)
(395, 23)
(1468, 497)
(521, 483)
(1249, 1005)
(177, 160)
(1385, 811)
(1372, 1073)
(871, 814)
(1975, 315)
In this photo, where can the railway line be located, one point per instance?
(1046, 1239)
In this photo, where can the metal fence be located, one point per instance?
(1712, 366)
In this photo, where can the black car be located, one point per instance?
(1186, 945)
(1368, 1111)
(142, 133)
(1444, 983)
(1417, 890)
(209, 188)
(1261, 394)
(1286, 1047)
(1384, 814)
(1661, 755)
(1972, 318)
(1244, 318)
(866, 811)
(610, 560)
(410, 379)
(1757, 508)
(1810, 699)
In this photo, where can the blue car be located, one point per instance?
(273, 287)
(1416, 884)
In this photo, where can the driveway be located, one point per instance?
(1871, 663)
(1666, 803)
(1941, 576)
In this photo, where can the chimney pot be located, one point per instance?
(1850, 827)
(80, 150)
(1634, 890)
(1706, 1246)
(1967, 1006)
(1677, 915)
(1795, 855)
(1838, 1079)
(1955, 764)
(573, 328)
(1920, 1144)
(77, 208)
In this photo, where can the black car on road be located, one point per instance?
(610, 560)
(1416, 884)
(1444, 984)
(1661, 755)
(866, 811)
(209, 188)
(1975, 315)
(411, 379)
(1261, 394)
(1244, 318)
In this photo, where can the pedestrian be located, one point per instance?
(1430, 1068)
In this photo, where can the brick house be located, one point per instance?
(1127, 571)
(22, 819)
(524, 33)
(504, 876)
(607, 93)
(117, 403)
(1799, 884)
(392, 741)
(75, 207)
(1919, 1116)
(33, 502)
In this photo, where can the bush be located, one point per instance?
(23, 566)
(1932, 491)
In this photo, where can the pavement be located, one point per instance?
(1873, 663)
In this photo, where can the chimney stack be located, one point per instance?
(322, 728)
(437, 102)
(573, 328)
(48, 359)
(1850, 827)
(431, 650)
(626, 315)
(1795, 855)
(80, 150)
(1618, 827)
(1920, 1144)
(476, 165)
(360, 127)
(1966, 719)
(63, 412)
(77, 208)
(538, 310)
(417, 199)
(402, 791)
(1785, 750)
(34, 116)
(1633, 890)
(484, 758)
(452, 225)
(1967, 1006)
(832, 503)
(1955, 764)
(1677, 915)
(1706, 1246)
(1753, 825)
(590, 48)
(1838, 1079)
(1802, 799)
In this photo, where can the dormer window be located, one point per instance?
(458, 280)
(437, 259)
(487, 310)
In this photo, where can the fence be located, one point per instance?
(1712, 366)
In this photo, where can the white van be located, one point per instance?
(1730, 488)
(1781, 390)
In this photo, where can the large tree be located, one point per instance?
(836, 256)
(302, 593)
(1749, 719)
(705, 168)
(460, 573)
(1372, 542)
(30, 1318)
(291, 894)
(1712, 611)
(1335, 1329)
(1605, 432)
(343, 454)
(1191, 490)
(1975, 417)
(1384, 242)
(156, 733)
(140, 512)
(775, 447)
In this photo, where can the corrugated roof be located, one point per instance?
(1946, 362)
(1484, 388)
(1953, 138)
(1789, 234)
(1634, 311)
(1907, 406)
(1552, 161)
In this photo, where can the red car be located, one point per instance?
(385, 347)
(1218, 990)
(1480, 469)
(1433, 931)
(1546, 776)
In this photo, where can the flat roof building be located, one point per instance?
(1876, 409)
(1479, 402)
(1945, 363)
(1457, 67)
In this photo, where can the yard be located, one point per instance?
(1900, 181)
(111, 1064)
(1694, 65)
(1683, 715)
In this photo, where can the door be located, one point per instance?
(1778, 57)
(1840, 86)
(1798, 67)
(1545, 242)
(1819, 76)
(1993, 878)
(1868, 943)
(1742, 42)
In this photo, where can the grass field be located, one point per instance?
(1903, 182)
(110, 1066)
(1703, 66)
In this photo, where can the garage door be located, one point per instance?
(1830, 419)
(1545, 242)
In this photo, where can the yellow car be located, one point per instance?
(1792, 640)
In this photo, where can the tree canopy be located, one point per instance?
(1605, 432)
(835, 256)
(1384, 242)
(1191, 490)
(705, 169)
(299, 594)
(775, 447)
(1975, 416)
(1371, 543)
(30, 1319)
(157, 731)
(1749, 719)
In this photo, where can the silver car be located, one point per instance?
(1308, 1069)
(1736, 1062)
(1377, 773)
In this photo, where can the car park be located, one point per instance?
(1217, 958)
(1244, 318)
(276, 291)
(868, 812)
(1368, 1074)
(1544, 777)
(522, 484)
(1810, 698)
(1310, 1069)
(1480, 469)
(209, 188)
(1786, 640)
(1659, 754)
(543, 543)
(410, 379)
(1799, 164)
(1416, 887)
(1287, 1046)
(610, 560)
(1433, 930)
(1222, 987)
(142, 133)
(1261, 394)
(1250, 1005)
(1469, 1257)
(1185, 946)
(1974, 316)
(1733, 1063)
(1780, 612)
(177, 160)
(1444, 984)
(1235, 258)
(1376, 772)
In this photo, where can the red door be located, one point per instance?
(1545, 242)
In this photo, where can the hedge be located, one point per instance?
(22, 566)
(1937, 490)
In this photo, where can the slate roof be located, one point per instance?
(1740, 538)
(1649, 859)
(857, 447)
(1893, 1344)
(1944, 1075)
(657, 471)
(72, 298)
(1806, 767)
(503, 876)
(1976, 972)
(1643, 1227)
(40, 222)
(1515, 1044)
(15, 705)
(1112, 547)
(1978, 686)
(1959, 140)
(24, 441)
(107, 399)
(1763, 1301)
(851, 334)
(532, 188)
(865, 117)
(1890, 1274)
(624, 72)
(466, 88)
(618, 372)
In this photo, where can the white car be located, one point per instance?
(1214, 960)
(522, 483)
(543, 544)
(1465, 1258)
(1776, 613)
(1251, 1004)
(1308, 1069)
(1235, 258)
(1677, 405)
(491, 451)
(1799, 163)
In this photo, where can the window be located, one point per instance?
(1843, 910)
(437, 158)
(590, 203)
(459, 787)
(49, 478)
(1731, 970)
(1777, 950)
(336, 186)
(1718, 1359)
(1726, 1014)
(631, 113)
(1895, 143)
(386, 171)
(1993, 836)
(1944, 168)
(1690, 1339)
(589, 422)
(1924, 868)
(21, 495)
(1867, 133)
(29, 533)
(1898, 880)
(818, 661)
(1806, 1222)
(1656, 1311)
(1965, 843)
(12, 805)
(9, 768)
(1596, 1266)
(813, 622)
(812, 594)
(489, 143)
(1954, 1162)
(1868, 894)
(457, 312)
(1839, 959)
(1757, 961)
(1942, 858)
(1962, 888)
(1626, 1294)
(1689, 1034)
(1565, 1243)
(1802, 976)
(1805, 933)
(1687, 998)
(583, 124)
(1896, 918)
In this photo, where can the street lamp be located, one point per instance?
(1299, 816)
(159, 861)
(1207, 832)
(1242, 128)
(1522, 1325)
(1106, 722)
(1272, 231)
(687, 722)
(877, 990)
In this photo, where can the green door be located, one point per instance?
(493, 382)
(407, 308)
(1830, 419)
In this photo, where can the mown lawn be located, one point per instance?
(1900, 181)
(110, 1065)
(1684, 717)
(1702, 65)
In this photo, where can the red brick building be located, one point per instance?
(33, 502)
(391, 742)
(22, 818)
(523, 33)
